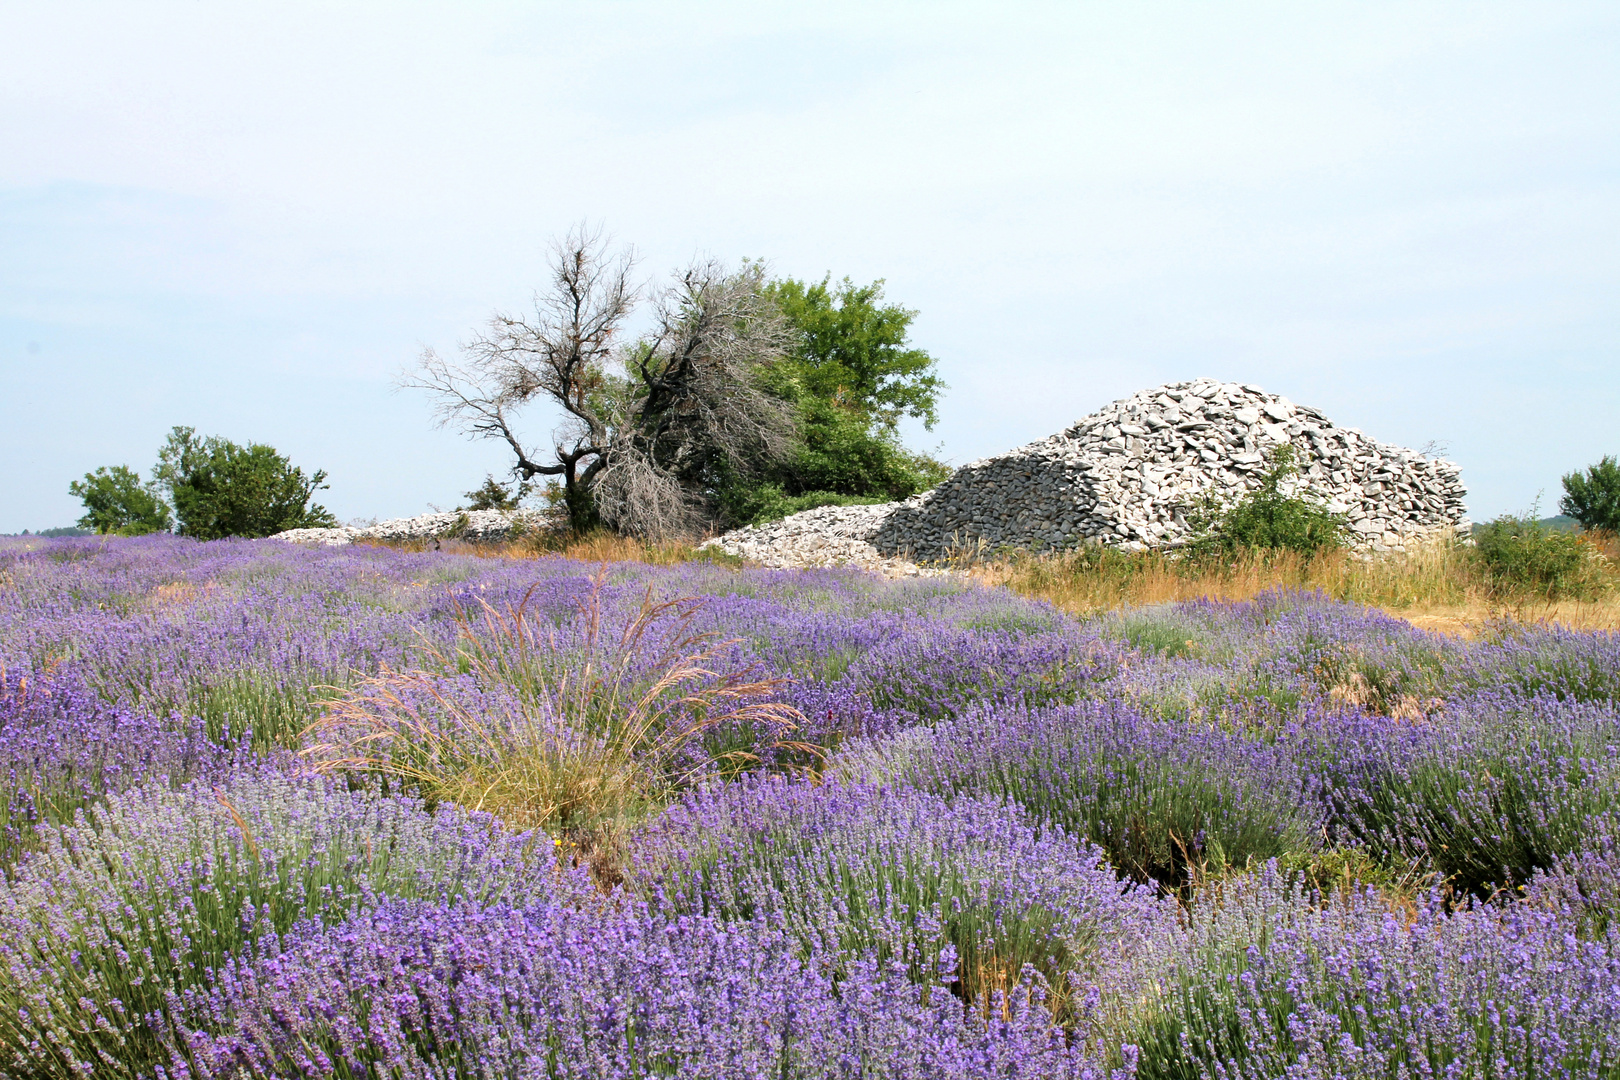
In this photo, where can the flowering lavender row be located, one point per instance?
(905, 826)
(1268, 985)
(896, 874)
(65, 748)
(151, 890)
(417, 990)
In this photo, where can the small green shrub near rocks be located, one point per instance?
(1267, 519)
(1521, 554)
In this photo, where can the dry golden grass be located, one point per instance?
(596, 547)
(1437, 586)
(589, 742)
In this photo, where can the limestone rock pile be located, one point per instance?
(1127, 474)
(825, 536)
(480, 526)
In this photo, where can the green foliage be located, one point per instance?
(221, 489)
(116, 501)
(1266, 519)
(851, 377)
(1520, 554)
(494, 495)
(767, 502)
(1593, 497)
(853, 350)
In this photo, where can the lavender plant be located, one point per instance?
(1500, 789)
(904, 877)
(1167, 803)
(64, 749)
(1272, 985)
(551, 991)
(149, 891)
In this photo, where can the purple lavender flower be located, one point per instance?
(899, 875)
(154, 888)
(609, 990)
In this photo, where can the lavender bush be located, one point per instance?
(1272, 985)
(900, 876)
(419, 990)
(66, 748)
(152, 889)
(1497, 789)
(1167, 802)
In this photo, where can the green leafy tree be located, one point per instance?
(1267, 519)
(851, 375)
(852, 350)
(1593, 497)
(116, 501)
(494, 495)
(222, 489)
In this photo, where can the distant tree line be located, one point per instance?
(207, 488)
(748, 397)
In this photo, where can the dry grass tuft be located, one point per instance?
(596, 547)
(586, 745)
(1437, 586)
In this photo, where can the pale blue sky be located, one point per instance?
(247, 218)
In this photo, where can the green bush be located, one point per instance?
(767, 503)
(115, 501)
(494, 495)
(1593, 498)
(222, 489)
(850, 377)
(1266, 519)
(1520, 554)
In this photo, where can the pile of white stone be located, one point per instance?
(1129, 474)
(479, 526)
(827, 536)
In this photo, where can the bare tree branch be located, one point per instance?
(644, 449)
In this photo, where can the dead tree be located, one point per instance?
(648, 425)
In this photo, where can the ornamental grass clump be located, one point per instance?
(1274, 983)
(568, 992)
(567, 729)
(904, 877)
(1169, 802)
(146, 893)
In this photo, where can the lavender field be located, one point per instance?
(279, 812)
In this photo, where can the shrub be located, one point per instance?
(115, 501)
(901, 876)
(555, 992)
(1520, 554)
(494, 495)
(1502, 789)
(147, 893)
(1168, 802)
(766, 502)
(221, 489)
(1272, 984)
(1593, 498)
(64, 749)
(1267, 519)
